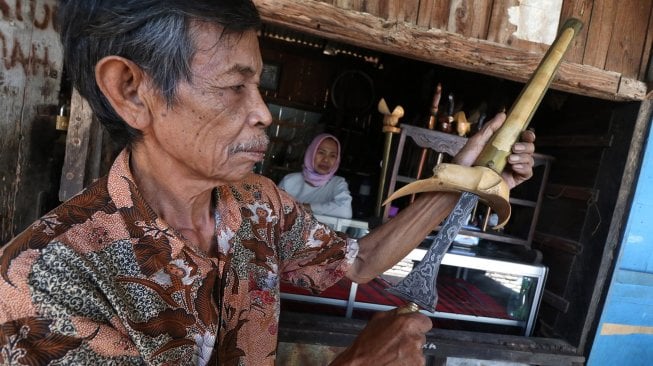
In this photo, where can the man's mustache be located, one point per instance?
(259, 144)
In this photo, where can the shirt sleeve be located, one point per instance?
(315, 256)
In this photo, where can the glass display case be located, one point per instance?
(484, 284)
(479, 284)
(353, 228)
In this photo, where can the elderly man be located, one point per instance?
(176, 256)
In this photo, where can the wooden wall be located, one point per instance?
(500, 38)
(596, 145)
(30, 75)
(617, 34)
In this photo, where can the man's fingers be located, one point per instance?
(521, 159)
(491, 127)
(424, 322)
(528, 136)
(523, 148)
(414, 322)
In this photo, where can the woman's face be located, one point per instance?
(325, 156)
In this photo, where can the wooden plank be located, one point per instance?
(358, 5)
(581, 10)
(600, 32)
(30, 76)
(439, 47)
(293, 353)
(410, 10)
(440, 14)
(627, 44)
(558, 243)
(333, 331)
(647, 55)
(556, 301)
(372, 7)
(390, 10)
(11, 104)
(400, 10)
(424, 13)
(346, 4)
(500, 27)
(556, 191)
(73, 173)
(470, 18)
(638, 89)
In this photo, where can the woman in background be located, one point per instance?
(317, 187)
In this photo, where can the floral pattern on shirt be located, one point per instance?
(102, 279)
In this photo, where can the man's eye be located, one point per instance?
(238, 88)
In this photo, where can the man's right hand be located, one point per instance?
(390, 338)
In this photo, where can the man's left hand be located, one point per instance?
(520, 162)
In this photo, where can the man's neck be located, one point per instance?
(185, 204)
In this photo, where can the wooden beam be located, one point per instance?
(571, 192)
(558, 243)
(556, 301)
(440, 343)
(73, 172)
(442, 48)
(646, 54)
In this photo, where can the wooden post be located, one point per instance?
(390, 122)
(83, 130)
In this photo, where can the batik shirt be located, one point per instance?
(102, 280)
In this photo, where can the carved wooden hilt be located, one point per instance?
(390, 122)
(390, 119)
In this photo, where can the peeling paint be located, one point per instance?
(635, 239)
(624, 329)
(536, 20)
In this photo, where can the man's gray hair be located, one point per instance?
(154, 34)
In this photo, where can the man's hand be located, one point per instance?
(520, 162)
(389, 338)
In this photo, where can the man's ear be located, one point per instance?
(123, 83)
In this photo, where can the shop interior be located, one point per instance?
(536, 276)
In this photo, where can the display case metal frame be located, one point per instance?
(464, 262)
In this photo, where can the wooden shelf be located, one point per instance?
(521, 202)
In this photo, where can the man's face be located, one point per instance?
(216, 129)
